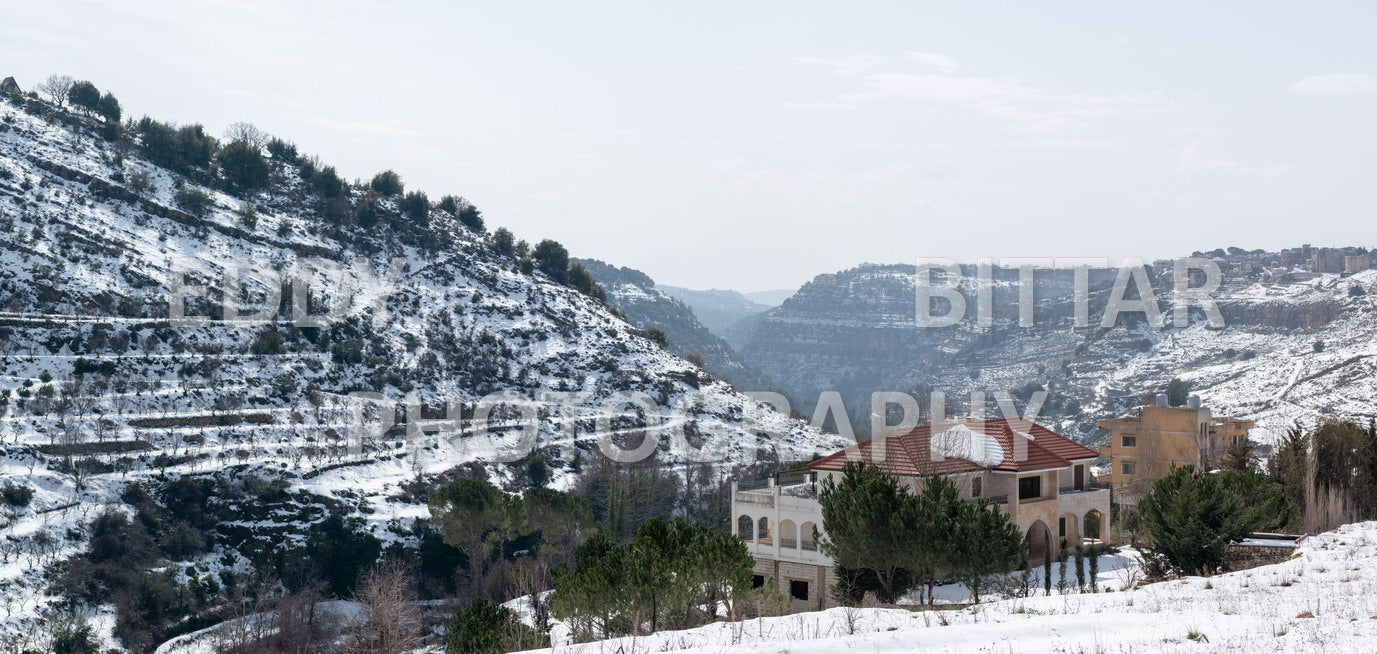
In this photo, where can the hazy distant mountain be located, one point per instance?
(855, 332)
(635, 294)
(772, 298)
(717, 309)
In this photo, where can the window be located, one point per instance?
(1128, 468)
(976, 487)
(1061, 527)
(1129, 440)
(1029, 488)
(757, 581)
(798, 589)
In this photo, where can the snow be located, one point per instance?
(1322, 600)
(463, 302)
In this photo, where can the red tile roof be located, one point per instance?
(910, 453)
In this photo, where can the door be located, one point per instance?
(1078, 478)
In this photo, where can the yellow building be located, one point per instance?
(1144, 449)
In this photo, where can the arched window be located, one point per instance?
(763, 530)
(743, 528)
(788, 534)
(805, 537)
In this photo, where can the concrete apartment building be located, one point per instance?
(1041, 479)
(1144, 449)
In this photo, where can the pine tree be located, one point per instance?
(990, 544)
(868, 520)
(1047, 568)
(1192, 517)
(1094, 571)
(1061, 571)
(473, 516)
(1080, 568)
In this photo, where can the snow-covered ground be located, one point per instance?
(1322, 600)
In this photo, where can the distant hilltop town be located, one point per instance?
(1288, 262)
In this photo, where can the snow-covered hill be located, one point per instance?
(855, 332)
(100, 387)
(1323, 600)
(646, 305)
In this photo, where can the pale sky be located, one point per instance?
(753, 145)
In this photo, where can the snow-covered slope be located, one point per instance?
(94, 241)
(1323, 600)
(855, 332)
(646, 305)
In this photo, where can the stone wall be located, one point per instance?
(1243, 557)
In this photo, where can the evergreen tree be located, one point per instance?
(984, 542)
(503, 242)
(1288, 465)
(1061, 570)
(1094, 570)
(1240, 457)
(582, 281)
(387, 183)
(109, 108)
(1080, 568)
(1192, 517)
(1263, 499)
(1047, 568)
(936, 517)
(1178, 391)
(243, 165)
(591, 595)
(85, 96)
(657, 336)
(866, 529)
(487, 628)
(552, 259)
(417, 207)
(537, 471)
(473, 516)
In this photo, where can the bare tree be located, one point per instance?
(391, 621)
(247, 133)
(56, 88)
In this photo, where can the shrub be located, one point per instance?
(327, 182)
(109, 108)
(416, 206)
(552, 259)
(243, 165)
(181, 149)
(248, 216)
(503, 242)
(84, 95)
(388, 183)
(16, 495)
(281, 150)
(487, 628)
(194, 201)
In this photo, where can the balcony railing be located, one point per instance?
(1084, 488)
(789, 543)
(809, 546)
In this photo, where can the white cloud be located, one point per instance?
(1194, 161)
(932, 77)
(1335, 84)
(936, 61)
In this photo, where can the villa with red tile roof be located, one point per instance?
(1040, 478)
